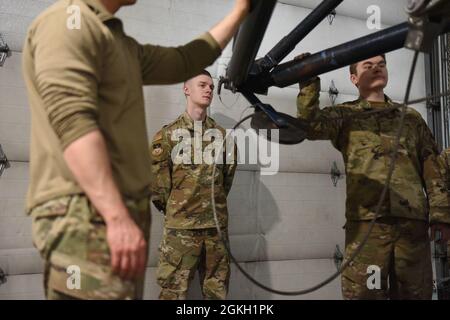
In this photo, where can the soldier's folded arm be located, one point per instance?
(67, 73)
(320, 127)
(161, 171)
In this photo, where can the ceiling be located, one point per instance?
(15, 16)
(392, 12)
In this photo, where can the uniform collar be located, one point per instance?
(363, 103)
(99, 9)
(208, 123)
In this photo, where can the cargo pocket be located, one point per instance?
(48, 224)
(85, 280)
(168, 265)
(79, 263)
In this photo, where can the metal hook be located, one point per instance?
(5, 52)
(338, 257)
(331, 17)
(3, 278)
(333, 92)
(335, 174)
(4, 163)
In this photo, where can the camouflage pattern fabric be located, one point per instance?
(68, 231)
(366, 144)
(399, 244)
(400, 248)
(445, 157)
(182, 252)
(183, 191)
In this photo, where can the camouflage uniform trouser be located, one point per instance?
(68, 231)
(182, 252)
(400, 248)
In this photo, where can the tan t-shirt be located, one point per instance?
(90, 78)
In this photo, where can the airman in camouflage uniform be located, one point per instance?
(90, 174)
(182, 191)
(399, 243)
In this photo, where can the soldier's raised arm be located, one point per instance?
(165, 65)
(320, 127)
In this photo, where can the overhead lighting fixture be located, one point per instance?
(5, 52)
(4, 163)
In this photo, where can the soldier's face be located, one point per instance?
(199, 90)
(371, 74)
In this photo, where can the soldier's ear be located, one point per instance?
(354, 79)
(186, 90)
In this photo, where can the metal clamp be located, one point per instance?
(4, 163)
(333, 92)
(331, 17)
(3, 278)
(421, 34)
(416, 7)
(5, 52)
(427, 19)
(338, 257)
(335, 174)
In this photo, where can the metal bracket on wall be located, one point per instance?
(333, 92)
(5, 52)
(3, 278)
(4, 163)
(331, 17)
(338, 257)
(433, 105)
(335, 174)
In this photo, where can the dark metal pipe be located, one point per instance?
(288, 43)
(248, 41)
(266, 108)
(337, 57)
(292, 72)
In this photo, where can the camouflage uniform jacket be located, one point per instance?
(445, 156)
(183, 191)
(417, 188)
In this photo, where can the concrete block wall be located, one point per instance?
(284, 227)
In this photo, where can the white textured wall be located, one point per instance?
(284, 227)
